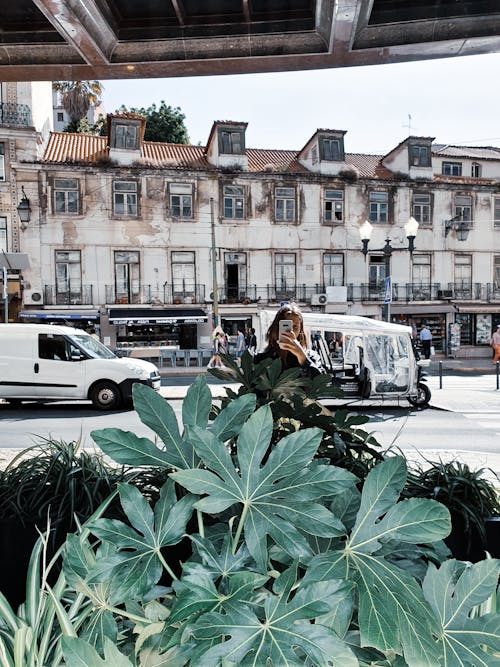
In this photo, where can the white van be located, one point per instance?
(45, 362)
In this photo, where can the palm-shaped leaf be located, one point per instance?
(79, 653)
(452, 591)
(273, 495)
(137, 565)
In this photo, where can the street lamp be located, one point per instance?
(365, 232)
(23, 209)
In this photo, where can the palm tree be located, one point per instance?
(78, 96)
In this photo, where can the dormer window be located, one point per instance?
(125, 135)
(331, 149)
(231, 142)
(420, 155)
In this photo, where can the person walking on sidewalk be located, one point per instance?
(240, 345)
(426, 340)
(495, 344)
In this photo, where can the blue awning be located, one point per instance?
(59, 315)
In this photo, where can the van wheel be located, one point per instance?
(423, 397)
(105, 395)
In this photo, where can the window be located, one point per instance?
(463, 276)
(231, 142)
(3, 234)
(65, 195)
(378, 207)
(284, 199)
(2, 161)
(476, 170)
(421, 208)
(452, 168)
(68, 277)
(54, 347)
(127, 280)
(125, 135)
(333, 268)
(284, 268)
(235, 275)
(183, 274)
(125, 198)
(60, 117)
(463, 207)
(376, 271)
(331, 149)
(420, 156)
(496, 211)
(181, 200)
(496, 273)
(421, 277)
(333, 206)
(233, 202)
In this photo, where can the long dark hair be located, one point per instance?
(285, 313)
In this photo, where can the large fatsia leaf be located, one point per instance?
(219, 563)
(137, 564)
(229, 421)
(277, 497)
(79, 653)
(393, 613)
(452, 591)
(278, 633)
(197, 404)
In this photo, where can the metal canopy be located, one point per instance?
(103, 39)
(14, 261)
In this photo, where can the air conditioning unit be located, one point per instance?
(33, 297)
(336, 293)
(445, 294)
(319, 300)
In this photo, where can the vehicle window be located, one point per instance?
(92, 347)
(54, 347)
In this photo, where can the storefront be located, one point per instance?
(437, 318)
(184, 328)
(477, 323)
(80, 319)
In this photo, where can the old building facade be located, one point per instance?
(124, 233)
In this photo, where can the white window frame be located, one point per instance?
(496, 272)
(463, 207)
(333, 206)
(284, 204)
(449, 168)
(66, 196)
(476, 170)
(183, 264)
(421, 207)
(125, 197)
(181, 200)
(234, 202)
(282, 271)
(68, 265)
(127, 274)
(496, 211)
(333, 269)
(3, 234)
(379, 207)
(462, 270)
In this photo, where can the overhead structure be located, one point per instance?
(104, 39)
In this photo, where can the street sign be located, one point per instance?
(388, 290)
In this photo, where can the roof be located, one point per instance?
(471, 152)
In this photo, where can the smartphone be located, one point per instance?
(285, 325)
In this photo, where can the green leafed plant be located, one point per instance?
(290, 564)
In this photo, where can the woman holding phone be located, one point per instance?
(286, 340)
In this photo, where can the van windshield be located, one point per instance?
(92, 347)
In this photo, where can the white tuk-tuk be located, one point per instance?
(367, 358)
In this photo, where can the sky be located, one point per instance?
(455, 100)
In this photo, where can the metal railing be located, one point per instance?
(142, 294)
(15, 115)
(184, 293)
(79, 296)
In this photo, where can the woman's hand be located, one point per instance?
(288, 342)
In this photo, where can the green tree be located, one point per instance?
(78, 96)
(163, 123)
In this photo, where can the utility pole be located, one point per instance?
(5, 296)
(214, 266)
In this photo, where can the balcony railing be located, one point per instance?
(15, 115)
(142, 294)
(184, 293)
(79, 296)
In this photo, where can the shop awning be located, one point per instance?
(60, 315)
(157, 316)
(15, 261)
(416, 309)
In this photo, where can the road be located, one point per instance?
(473, 436)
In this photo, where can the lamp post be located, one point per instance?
(365, 232)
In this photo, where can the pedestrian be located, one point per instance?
(291, 347)
(426, 340)
(217, 350)
(252, 342)
(495, 344)
(240, 345)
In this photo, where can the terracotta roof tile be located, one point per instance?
(69, 147)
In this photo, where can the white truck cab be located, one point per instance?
(45, 362)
